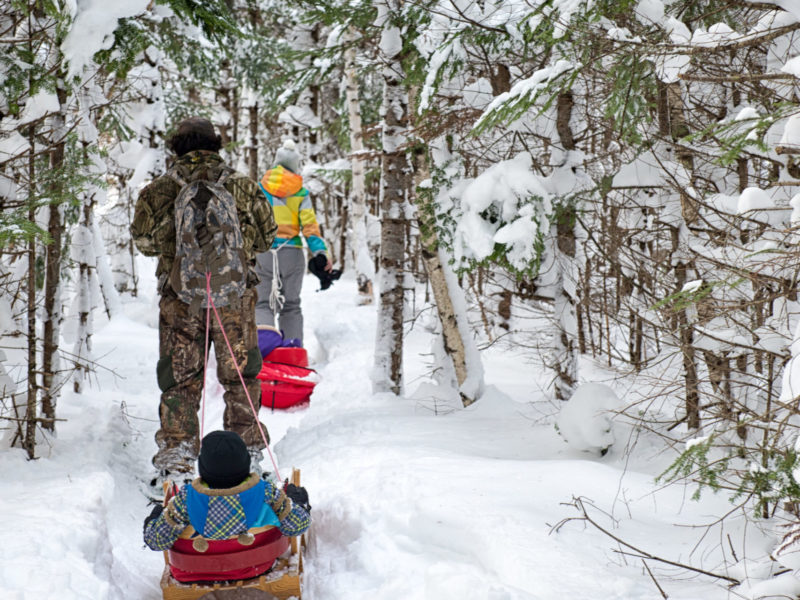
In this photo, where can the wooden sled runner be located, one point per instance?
(281, 582)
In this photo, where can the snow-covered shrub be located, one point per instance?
(585, 421)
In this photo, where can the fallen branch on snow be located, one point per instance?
(580, 504)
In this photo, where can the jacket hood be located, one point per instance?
(281, 182)
(200, 486)
(199, 164)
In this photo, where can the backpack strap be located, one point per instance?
(175, 176)
(225, 174)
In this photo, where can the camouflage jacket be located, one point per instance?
(153, 227)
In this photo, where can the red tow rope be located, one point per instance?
(238, 371)
(205, 359)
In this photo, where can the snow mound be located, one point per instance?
(585, 420)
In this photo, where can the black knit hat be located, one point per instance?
(224, 461)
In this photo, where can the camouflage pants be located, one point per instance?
(180, 377)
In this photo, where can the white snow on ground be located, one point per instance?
(411, 499)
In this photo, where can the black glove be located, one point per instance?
(317, 266)
(298, 495)
(157, 510)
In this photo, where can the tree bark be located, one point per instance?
(52, 285)
(453, 332)
(357, 212)
(686, 341)
(227, 125)
(395, 183)
(32, 402)
(82, 242)
(566, 355)
(252, 157)
(83, 253)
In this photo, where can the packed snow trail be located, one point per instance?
(412, 498)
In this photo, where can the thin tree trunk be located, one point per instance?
(52, 285)
(235, 102)
(566, 355)
(395, 183)
(639, 347)
(82, 244)
(686, 337)
(672, 122)
(252, 158)
(30, 415)
(579, 308)
(105, 279)
(227, 125)
(358, 245)
(131, 247)
(52, 317)
(83, 253)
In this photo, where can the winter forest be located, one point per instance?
(570, 235)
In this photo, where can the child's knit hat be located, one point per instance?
(288, 157)
(224, 461)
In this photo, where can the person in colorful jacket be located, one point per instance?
(227, 501)
(182, 332)
(281, 270)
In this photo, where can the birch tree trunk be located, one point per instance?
(395, 182)
(105, 278)
(455, 329)
(152, 134)
(120, 251)
(149, 78)
(85, 256)
(83, 253)
(225, 119)
(362, 262)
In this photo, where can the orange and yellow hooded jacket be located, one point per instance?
(292, 208)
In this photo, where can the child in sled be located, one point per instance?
(227, 502)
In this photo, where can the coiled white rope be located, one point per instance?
(276, 299)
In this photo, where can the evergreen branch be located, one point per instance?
(213, 16)
(464, 18)
(736, 78)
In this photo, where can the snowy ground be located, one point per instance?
(410, 500)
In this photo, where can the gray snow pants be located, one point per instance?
(292, 268)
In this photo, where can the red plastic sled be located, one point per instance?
(226, 559)
(286, 380)
(269, 571)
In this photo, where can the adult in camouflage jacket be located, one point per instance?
(182, 330)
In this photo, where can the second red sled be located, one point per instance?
(286, 379)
